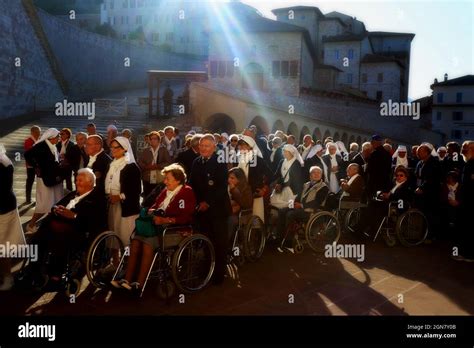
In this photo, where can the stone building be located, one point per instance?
(453, 108)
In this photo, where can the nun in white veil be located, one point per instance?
(335, 166)
(289, 178)
(123, 187)
(400, 157)
(49, 184)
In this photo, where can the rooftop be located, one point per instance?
(466, 80)
(389, 33)
(345, 37)
(298, 8)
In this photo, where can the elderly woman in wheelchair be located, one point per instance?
(306, 204)
(396, 217)
(65, 233)
(175, 205)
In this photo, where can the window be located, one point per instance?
(285, 68)
(457, 116)
(380, 77)
(125, 4)
(379, 95)
(336, 54)
(213, 68)
(350, 54)
(132, 3)
(456, 134)
(439, 97)
(459, 97)
(221, 69)
(276, 68)
(364, 78)
(438, 116)
(230, 69)
(169, 36)
(112, 4)
(349, 78)
(138, 20)
(294, 68)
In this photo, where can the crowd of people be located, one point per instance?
(100, 182)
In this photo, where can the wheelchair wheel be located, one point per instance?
(103, 259)
(389, 238)
(254, 239)
(73, 287)
(322, 229)
(193, 263)
(412, 228)
(351, 220)
(166, 289)
(271, 230)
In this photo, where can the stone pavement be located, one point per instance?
(390, 281)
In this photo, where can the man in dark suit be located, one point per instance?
(379, 168)
(428, 182)
(77, 218)
(69, 155)
(362, 158)
(186, 158)
(98, 160)
(353, 187)
(209, 182)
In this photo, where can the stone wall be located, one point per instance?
(94, 64)
(32, 85)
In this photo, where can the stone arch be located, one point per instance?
(336, 136)
(278, 125)
(326, 134)
(219, 123)
(344, 139)
(352, 139)
(317, 134)
(305, 130)
(261, 123)
(293, 129)
(359, 140)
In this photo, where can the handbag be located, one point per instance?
(144, 225)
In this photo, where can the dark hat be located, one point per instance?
(376, 137)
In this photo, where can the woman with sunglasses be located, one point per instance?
(401, 190)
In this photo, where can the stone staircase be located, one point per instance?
(32, 13)
(13, 143)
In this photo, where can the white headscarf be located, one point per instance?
(125, 143)
(51, 133)
(226, 137)
(314, 150)
(112, 179)
(3, 157)
(401, 161)
(342, 148)
(252, 144)
(332, 144)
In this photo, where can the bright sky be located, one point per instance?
(444, 41)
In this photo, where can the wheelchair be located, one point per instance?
(348, 213)
(248, 239)
(321, 229)
(37, 275)
(186, 257)
(409, 227)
